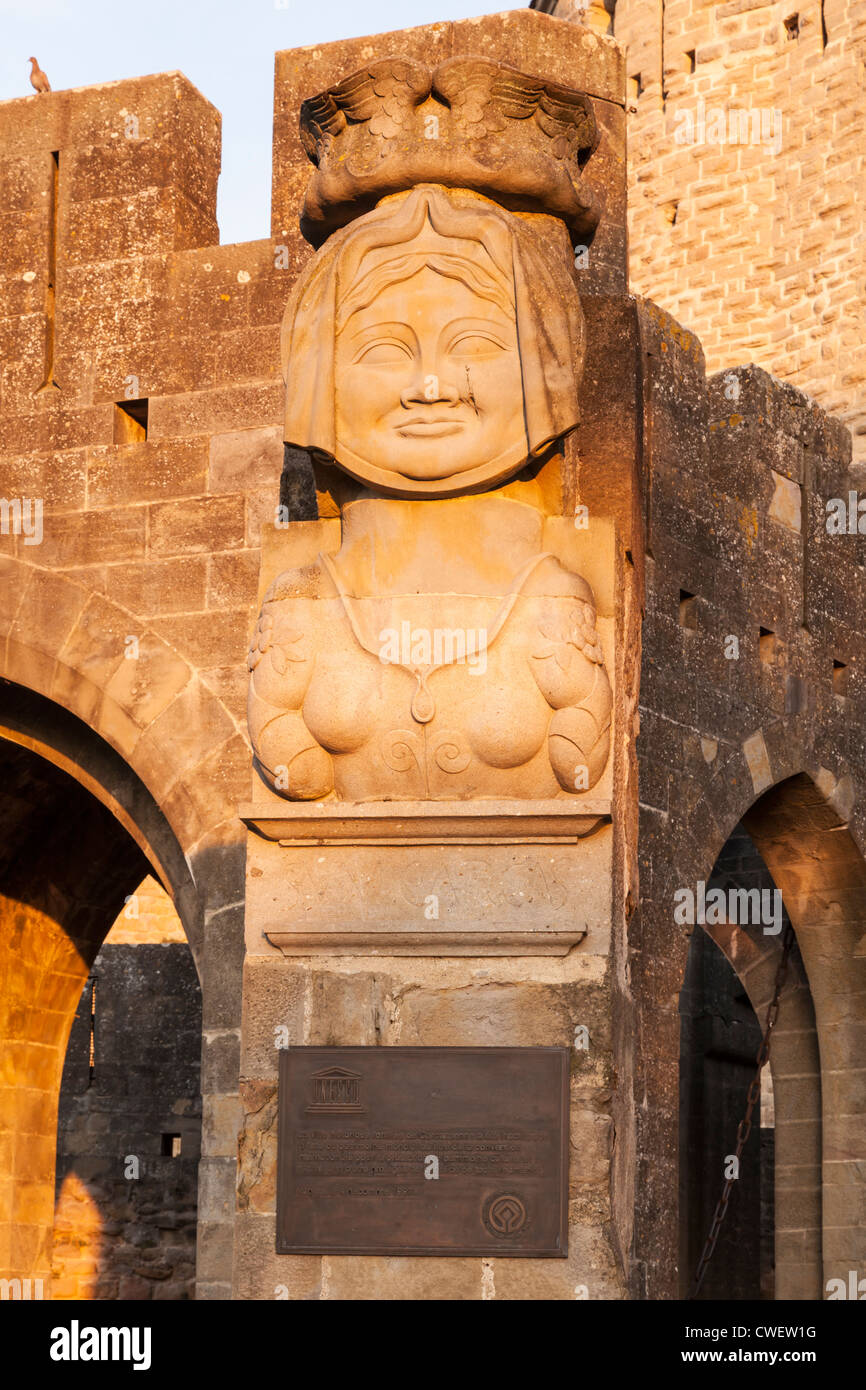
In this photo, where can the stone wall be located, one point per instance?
(149, 917)
(737, 478)
(125, 1223)
(140, 401)
(756, 247)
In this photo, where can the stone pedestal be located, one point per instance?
(440, 804)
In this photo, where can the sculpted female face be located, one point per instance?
(428, 380)
(434, 345)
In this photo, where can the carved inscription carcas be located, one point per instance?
(423, 1151)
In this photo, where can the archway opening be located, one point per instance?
(68, 869)
(769, 1245)
(720, 1035)
(129, 1122)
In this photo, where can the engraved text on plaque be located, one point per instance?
(423, 1151)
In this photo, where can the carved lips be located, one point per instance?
(430, 429)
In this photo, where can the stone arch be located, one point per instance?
(812, 855)
(795, 1067)
(52, 734)
(162, 752)
(69, 643)
(822, 885)
(66, 866)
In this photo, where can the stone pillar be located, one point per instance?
(442, 680)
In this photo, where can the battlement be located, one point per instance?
(136, 164)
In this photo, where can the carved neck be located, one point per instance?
(471, 545)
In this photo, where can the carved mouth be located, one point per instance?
(428, 429)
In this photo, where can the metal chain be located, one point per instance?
(745, 1126)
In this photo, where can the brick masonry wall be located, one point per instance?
(759, 251)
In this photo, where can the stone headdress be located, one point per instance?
(496, 135)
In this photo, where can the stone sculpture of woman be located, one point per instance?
(432, 351)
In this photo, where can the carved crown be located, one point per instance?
(468, 123)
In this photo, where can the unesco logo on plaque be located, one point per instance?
(505, 1215)
(336, 1091)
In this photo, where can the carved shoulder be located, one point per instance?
(309, 581)
(567, 656)
(552, 580)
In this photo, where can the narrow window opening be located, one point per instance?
(767, 646)
(792, 26)
(48, 382)
(171, 1145)
(130, 421)
(663, 74)
(795, 695)
(823, 25)
(840, 678)
(689, 60)
(688, 610)
(91, 1058)
(635, 86)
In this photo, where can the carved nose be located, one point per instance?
(429, 388)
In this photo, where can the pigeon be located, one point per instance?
(38, 80)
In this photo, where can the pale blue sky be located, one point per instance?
(225, 47)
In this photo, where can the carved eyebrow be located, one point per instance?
(463, 322)
(461, 326)
(377, 329)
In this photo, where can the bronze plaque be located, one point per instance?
(423, 1151)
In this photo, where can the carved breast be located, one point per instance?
(422, 728)
(430, 695)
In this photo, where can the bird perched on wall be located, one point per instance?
(38, 80)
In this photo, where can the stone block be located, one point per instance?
(241, 460)
(196, 526)
(216, 1189)
(261, 1274)
(589, 1273)
(220, 1061)
(274, 1003)
(146, 472)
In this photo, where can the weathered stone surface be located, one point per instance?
(695, 509)
(259, 1273)
(717, 234)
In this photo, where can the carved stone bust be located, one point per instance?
(432, 350)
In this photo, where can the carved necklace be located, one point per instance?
(423, 706)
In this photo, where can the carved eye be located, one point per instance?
(477, 344)
(384, 352)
